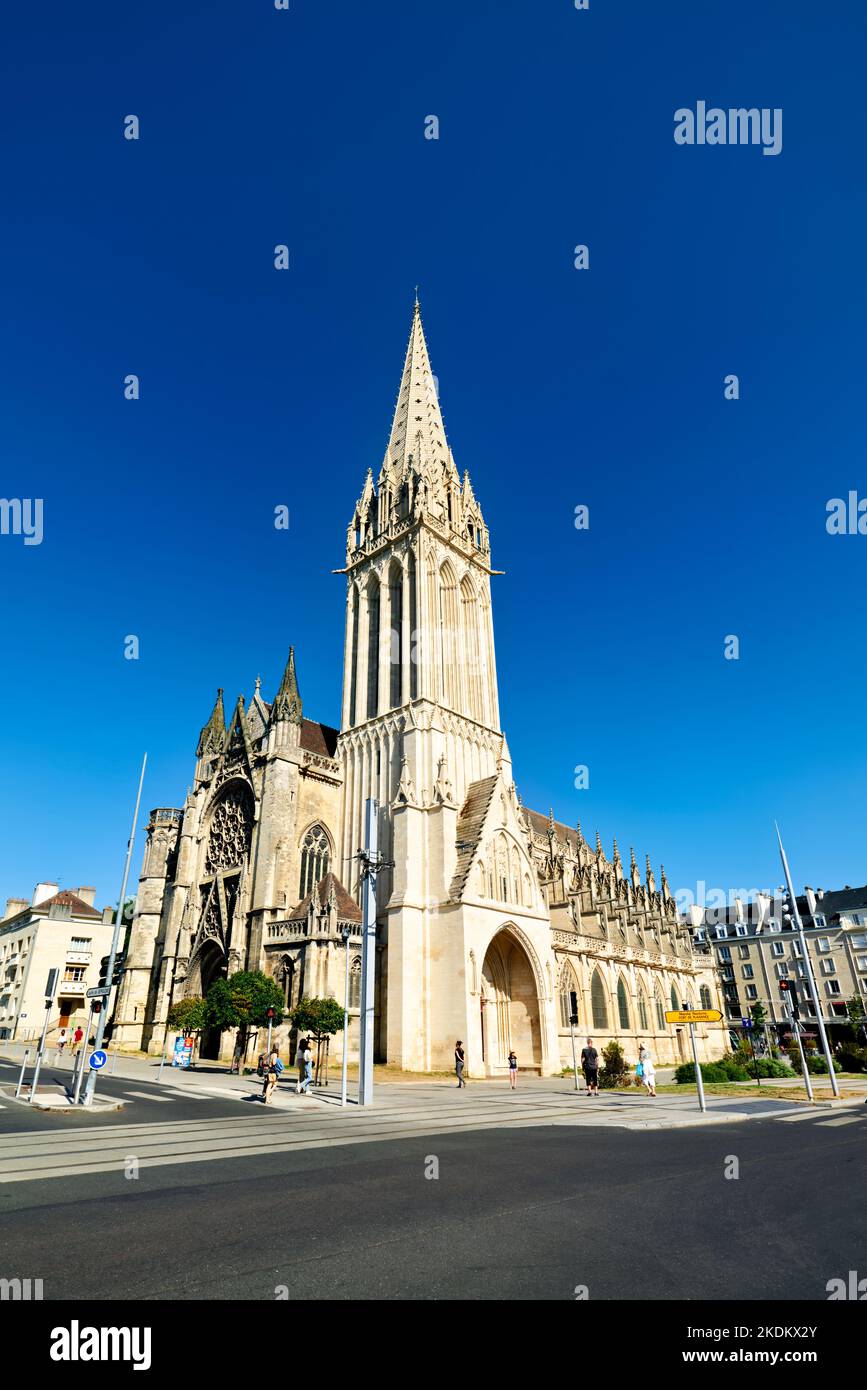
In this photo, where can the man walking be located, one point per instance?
(590, 1068)
(460, 1061)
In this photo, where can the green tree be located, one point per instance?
(857, 1015)
(759, 1015)
(243, 1002)
(321, 1017)
(187, 1015)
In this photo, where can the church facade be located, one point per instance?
(494, 922)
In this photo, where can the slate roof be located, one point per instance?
(471, 819)
(347, 908)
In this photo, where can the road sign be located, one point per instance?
(99, 992)
(693, 1016)
(98, 1060)
(746, 1023)
(51, 984)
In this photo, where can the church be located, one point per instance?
(495, 922)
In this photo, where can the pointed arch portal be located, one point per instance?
(510, 1006)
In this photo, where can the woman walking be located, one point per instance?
(648, 1070)
(513, 1071)
(307, 1059)
(272, 1076)
(460, 1062)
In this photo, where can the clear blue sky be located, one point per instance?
(558, 388)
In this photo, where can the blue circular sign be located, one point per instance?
(98, 1060)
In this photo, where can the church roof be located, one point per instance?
(318, 738)
(347, 908)
(540, 825)
(471, 821)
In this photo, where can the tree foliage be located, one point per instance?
(187, 1015)
(243, 1001)
(322, 1017)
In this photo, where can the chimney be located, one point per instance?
(14, 905)
(43, 891)
(107, 915)
(87, 895)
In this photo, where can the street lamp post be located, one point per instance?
(112, 955)
(811, 980)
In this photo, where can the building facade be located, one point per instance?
(491, 917)
(755, 946)
(54, 929)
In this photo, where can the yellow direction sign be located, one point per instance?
(693, 1016)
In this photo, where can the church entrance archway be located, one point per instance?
(510, 1007)
(212, 965)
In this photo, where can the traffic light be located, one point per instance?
(103, 973)
(119, 967)
(789, 989)
(573, 1007)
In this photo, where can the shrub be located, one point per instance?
(851, 1059)
(725, 1070)
(614, 1071)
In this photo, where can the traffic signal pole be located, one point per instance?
(811, 979)
(118, 923)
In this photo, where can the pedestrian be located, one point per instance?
(299, 1061)
(648, 1070)
(62, 1040)
(272, 1076)
(307, 1059)
(460, 1062)
(76, 1038)
(590, 1068)
(513, 1071)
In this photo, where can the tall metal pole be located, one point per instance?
(804, 1068)
(103, 1013)
(699, 1079)
(370, 864)
(344, 1071)
(814, 993)
(82, 1054)
(574, 1063)
(49, 1002)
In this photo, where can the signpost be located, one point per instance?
(99, 992)
(692, 1017)
(97, 1060)
(183, 1053)
(50, 990)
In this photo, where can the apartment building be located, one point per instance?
(54, 928)
(755, 946)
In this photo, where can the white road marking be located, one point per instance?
(840, 1120)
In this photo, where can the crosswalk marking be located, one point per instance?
(840, 1120)
(149, 1095)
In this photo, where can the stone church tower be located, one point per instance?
(495, 923)
(420, 732)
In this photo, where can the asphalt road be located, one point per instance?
(143, 1101)
(514, 1214)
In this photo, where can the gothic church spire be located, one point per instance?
(287, 702)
